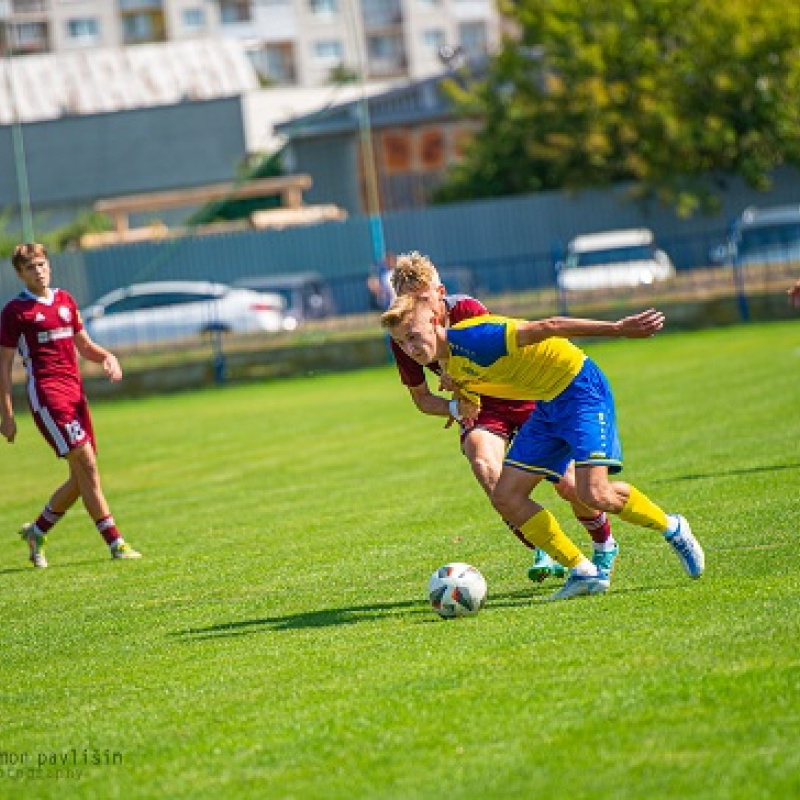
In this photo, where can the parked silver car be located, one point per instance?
(169, 310)
(768, 235)
(308, 295)
(612, 260)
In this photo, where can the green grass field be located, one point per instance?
(276, 642)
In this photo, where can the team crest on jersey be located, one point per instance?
(39, 317)
(65, 314)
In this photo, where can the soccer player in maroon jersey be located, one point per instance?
(44, 325)
(794, 293)
(485, 441)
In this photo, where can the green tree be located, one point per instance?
(668, 95)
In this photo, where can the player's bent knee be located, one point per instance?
(566, 491)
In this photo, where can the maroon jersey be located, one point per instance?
(502, 416)
(42, 330)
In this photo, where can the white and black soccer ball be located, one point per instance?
(457, 590)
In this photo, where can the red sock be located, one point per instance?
(47, 519)
(108, 529)
(599, 527)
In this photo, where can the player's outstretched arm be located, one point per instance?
(638, 326)
(92, 351)
(8, 425)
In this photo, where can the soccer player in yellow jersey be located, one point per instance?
(574, 418)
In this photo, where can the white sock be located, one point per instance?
(606, 546)
(673, 524)
(585, 568)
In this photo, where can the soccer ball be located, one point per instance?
(457, 590)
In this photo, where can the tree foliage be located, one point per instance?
(663, 94)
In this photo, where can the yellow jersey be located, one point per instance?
(485, 359)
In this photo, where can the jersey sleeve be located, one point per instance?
(9, 328)
(483, 341)
(466, 307)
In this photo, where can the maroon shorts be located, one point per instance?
(503, 418)
(64, 425)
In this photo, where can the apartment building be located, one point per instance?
(290, 42)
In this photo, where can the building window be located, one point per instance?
(140, 5)
(194, 18)
(474, 38)
(138, 28)
(433, 40)
(381, 13)
(27, 34)
(233, 11)
(24, 7)
(323, 8)
(329, 52)
(83, 31)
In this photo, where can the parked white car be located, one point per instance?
(614, 260)
(169, 310)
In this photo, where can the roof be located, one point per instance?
(417, 101)
(53, 85)
(770, 215)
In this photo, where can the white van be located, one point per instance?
(613, 260)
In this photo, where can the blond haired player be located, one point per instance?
(574, 419)
(485, 440)
(44, 325)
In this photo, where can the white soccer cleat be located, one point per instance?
(686, 547)
(36, 542)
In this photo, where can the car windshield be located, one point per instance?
(772, 238)
(615, 255)
(138, 302)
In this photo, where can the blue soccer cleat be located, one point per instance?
(604, 559)
(578, 585)
(686, 547)
(544, 566)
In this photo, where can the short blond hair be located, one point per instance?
(414, 272)
(402, 308)
(25, 253)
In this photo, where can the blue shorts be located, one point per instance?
(580, 424)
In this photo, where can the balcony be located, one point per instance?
(27, 8)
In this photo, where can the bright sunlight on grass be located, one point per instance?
(275, 641)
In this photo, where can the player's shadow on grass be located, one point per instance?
(349, 615)
(723, 473)
(323, 618)
(27, 567)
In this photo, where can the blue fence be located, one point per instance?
(483, 248)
